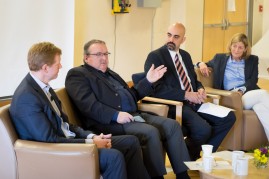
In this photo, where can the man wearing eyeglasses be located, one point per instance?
(37, 115)
(107, 104)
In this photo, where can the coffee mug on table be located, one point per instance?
(207, 150)
(241, 167)
(208, 163)
(236, 154)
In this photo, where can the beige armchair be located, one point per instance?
(247, 132)
(5, 101)
(30, 160)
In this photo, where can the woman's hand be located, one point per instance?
(204, 69)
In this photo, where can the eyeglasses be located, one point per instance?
(99, 54)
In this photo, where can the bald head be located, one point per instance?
(175, 36)
(177, 26)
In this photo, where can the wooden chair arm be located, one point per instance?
(215, 98)
(177, 104)
(159, 109)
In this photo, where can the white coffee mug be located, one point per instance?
(236, 154)
(208, 163)
(241, 167)
(207, 150)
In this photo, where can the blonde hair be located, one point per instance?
(240, 37)
(42, 53)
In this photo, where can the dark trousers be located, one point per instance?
(156, 133)
(130, 147)
(112, 164)
(204, 129)
(125, 155)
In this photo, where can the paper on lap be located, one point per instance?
(215, 110)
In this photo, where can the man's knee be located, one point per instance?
(171, 127)
(133, 142)
(203, 134)
(107, 156)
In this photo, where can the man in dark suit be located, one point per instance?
(200, 128)
(107, 103)
(37, 115)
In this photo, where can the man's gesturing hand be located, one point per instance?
(154, 75)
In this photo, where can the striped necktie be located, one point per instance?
(64, 125)
(182, 74)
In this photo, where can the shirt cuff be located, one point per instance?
(243, 89)
(115, 116)
(89, 141)
(90, 136)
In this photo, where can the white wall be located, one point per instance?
(261, 35)
(26, 22)
(257, 21)
(265, 16)
(130, 37)
(69, 24)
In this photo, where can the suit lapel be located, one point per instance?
(247, 67)
(223, 65)
(37, 87)
(44, 96)
(169, 61)
(97, 74)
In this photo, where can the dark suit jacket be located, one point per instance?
(168, 87)
(97, 99)
(219, 62)
(34, 117)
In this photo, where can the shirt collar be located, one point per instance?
(173, 54)
(42, 85)
(230, 60)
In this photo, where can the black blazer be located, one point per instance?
(34, 117)
(219, 62)
(168, 87)
(97, 99)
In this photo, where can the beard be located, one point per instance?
(171, 46)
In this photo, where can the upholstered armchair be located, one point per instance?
(247, 132)
(21, 159)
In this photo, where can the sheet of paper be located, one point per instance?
(215, 110)
(198, 165)
(227, 155)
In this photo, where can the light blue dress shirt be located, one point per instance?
(234, 75)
